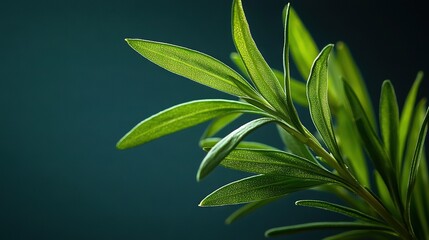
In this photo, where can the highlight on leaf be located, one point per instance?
(377, 170)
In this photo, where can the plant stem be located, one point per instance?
(356, 187)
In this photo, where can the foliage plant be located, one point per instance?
(376, 167)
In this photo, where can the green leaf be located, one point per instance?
(219, 123)
(317, 95)
(294, 146)
(258, 69)
(256, 188)
(363, 234)
(236, 59)
(272, 162)
(180, 117)
(298, 89)
(350, 146)
(322, 226)
(369, 138)
(415, 163)
(350, 212)
(412, 137)
(383, 192)
(302, 46)
(247, 209)
(226, 145)
(208, 143)
(389, 121)
(406, 116)
(354, 78)
(194, 65)
(293, 114)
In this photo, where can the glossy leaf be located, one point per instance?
(207, 143)
(219, 123)
(247, 209)
(369, 137)
(322, 226)
(180, 117)
(317, 95)
(236, 59)
(389, 121)
(194, 65)
(298, 89)
(293, 114)
(350, 146)
(256, 188)
(416, 162)
(302, 46)
(407, 115)
(412, 137)
(294, 146)
(258, 69)
(363, 234)
(354, 78)
(226, 145)
(350, 212)
(271, 162)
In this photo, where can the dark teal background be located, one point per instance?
(70, 87)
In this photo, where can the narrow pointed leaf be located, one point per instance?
(302, 46)
(415, 163)
(294, 146)
(363, 234)
(208, 143)
(317, 95)
(293, 114)
(256, 188)
(219, 123)
(350, 212)
(350, 146)
(226, 145)
(236, 59)
(389, 121)
(194, 65)
(383, 192)
(407, 114)
(247, 209)
(369, 137)
(354, 78)
(322, 226)
(272, 162)
(180, 117)
(258, 69)
(298, 89)
(412, 138)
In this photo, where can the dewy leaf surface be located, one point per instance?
(194, 65)
(180, 117)
(258, 69)
(226, 145)
(256, 188)
(317, 94)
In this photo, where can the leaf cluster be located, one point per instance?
(333, 159)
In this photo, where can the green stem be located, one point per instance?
(356, 187)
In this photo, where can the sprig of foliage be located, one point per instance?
(335, 161)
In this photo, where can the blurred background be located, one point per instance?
(70, 87)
